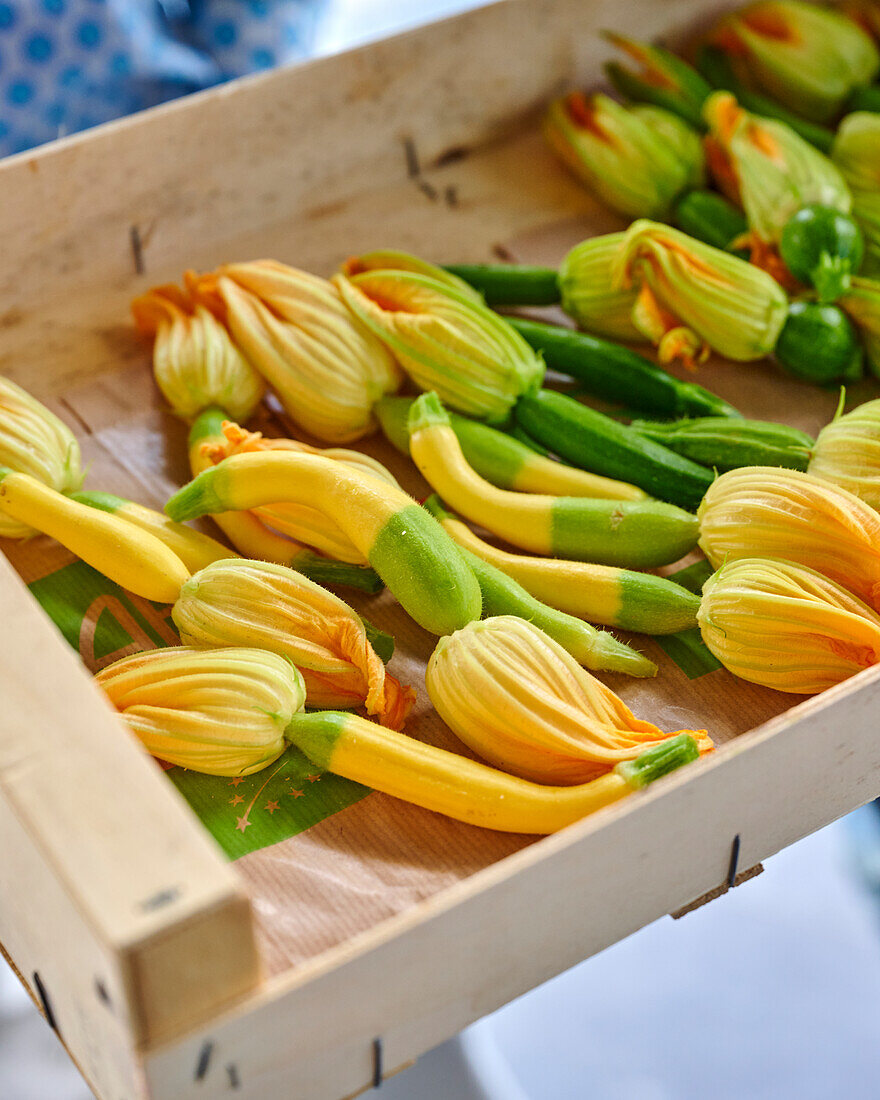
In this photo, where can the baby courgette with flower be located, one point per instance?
(598, 593)
(630, 533)
(617, 374)
(589, 439)
(503, 460)
(406, 546)
(728, 444)
(464, 789)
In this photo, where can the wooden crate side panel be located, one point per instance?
(43, 932)
(426, 975)
(123, 845)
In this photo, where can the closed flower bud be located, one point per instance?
(862, 303)
(856, 152)
(807, 56)
(392, 259)
(765, 512)
(34, 441)
(520, 701)
(847, 452)
(220, 711)
(196, 364)
(691, 294)
(445, 340)
(622, 158)
(665, 80)
(785, 626)
(326, 368)
(589, 295)
(258, 603)
(777, 172)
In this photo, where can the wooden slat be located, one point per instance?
(107, 879)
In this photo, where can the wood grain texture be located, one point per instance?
(105, 876)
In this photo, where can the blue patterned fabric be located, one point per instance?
(69, 64)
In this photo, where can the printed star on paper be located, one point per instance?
(235, 801)
(313, 778)
(272, 807)
(242, 823)
(235, 782)
(296, 793)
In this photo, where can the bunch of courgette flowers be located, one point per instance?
(764, 155)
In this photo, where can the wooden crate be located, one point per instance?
(131, 931)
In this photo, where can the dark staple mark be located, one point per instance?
(503, 254)
(137, 249)
(451, 155)
(451, 196)
(234, 1079)
(45, 1002)
(734, 862)
(157, 901)
(378, 1074)
(413, 169)
(428, 190)
(103, 995)
(204, 1060)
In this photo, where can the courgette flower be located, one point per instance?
(785, 626)
(692, 297)
(445, 340)
(257, 603)
(862, 303)
(219, 711)
(196, 363)
(589, 295)
(664, 80)
(856, 152)
(809, 57)
(327, 369)
(624, 158)
(847, 452)
(34, 441)
(776, 171)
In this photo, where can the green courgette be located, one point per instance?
(511, 284)
(729, 444)
(865, 99)
(710, 218)
(822, 247)
(595, 442)
(819, 344)
(617, 374)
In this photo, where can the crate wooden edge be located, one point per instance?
(94, 838)
(412, 980)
